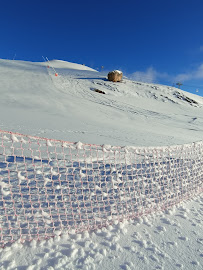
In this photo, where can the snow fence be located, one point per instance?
(49, 186)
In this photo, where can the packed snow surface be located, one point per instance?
(35, 101)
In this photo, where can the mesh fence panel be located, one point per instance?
(50, 186)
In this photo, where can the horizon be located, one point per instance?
(152, 42)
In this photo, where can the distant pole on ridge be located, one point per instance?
(179, 84)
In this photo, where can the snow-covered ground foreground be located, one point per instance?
(34, 101)
(170, 240)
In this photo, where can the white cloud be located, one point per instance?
(145, 76)
(194, 74)
(150, 76)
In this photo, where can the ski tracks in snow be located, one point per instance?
(72, 86)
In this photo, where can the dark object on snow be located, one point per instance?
(99, 91)
(184, 98)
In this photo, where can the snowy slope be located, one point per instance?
(34, 101)
(59, 64)
(66, 107)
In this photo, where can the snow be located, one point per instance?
(117, 71)
(169, 240)
(58, 64)
(36, 102)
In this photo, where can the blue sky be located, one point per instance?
(151, 40)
